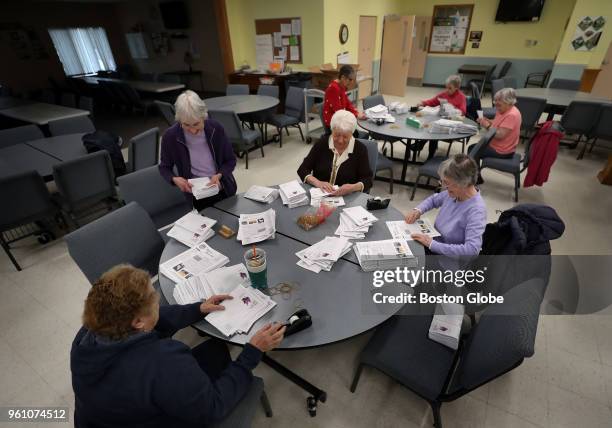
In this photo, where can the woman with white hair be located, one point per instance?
(338, 159)
(462, 218)
(507, 124)
(196, 146)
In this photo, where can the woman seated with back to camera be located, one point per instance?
(126, 371)
(463, 215)
(338, 159)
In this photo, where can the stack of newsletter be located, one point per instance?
(242, 311)
(192, 229)
(205, 285)
(384, 255)
(446, 126)
(201, 258)
(355, 222)
(317, 196)
(201, 189)
(256, 227)
(293, 194)
(402, 230)
(261, 194)
(446, 324)
(323, 254)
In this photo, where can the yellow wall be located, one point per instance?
(507, 40)
(592, 59)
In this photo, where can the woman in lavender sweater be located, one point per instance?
(463, 215)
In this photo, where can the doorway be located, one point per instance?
(365, 57)
(395, 56)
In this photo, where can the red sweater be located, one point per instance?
(457, 100)
(336, 99)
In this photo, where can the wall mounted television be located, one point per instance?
(174, 14)
(519, 10)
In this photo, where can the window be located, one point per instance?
(83, 50)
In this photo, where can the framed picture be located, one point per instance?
(475, 45)
(475, 36)
(449, 29)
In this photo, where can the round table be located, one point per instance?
(242, 104)
(399, 130)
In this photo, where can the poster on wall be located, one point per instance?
(588, 32)
(450, 28)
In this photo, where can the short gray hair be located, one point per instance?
(189, 107)
(343, 121)
(454, 79)
(506, 95)
(461, 169)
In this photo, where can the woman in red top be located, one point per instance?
(336, 98)
(455, 97)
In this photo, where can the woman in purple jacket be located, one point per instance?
(196, 146)
(463, 215)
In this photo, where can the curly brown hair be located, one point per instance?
(115, 299)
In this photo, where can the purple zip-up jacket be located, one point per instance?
(174, 153)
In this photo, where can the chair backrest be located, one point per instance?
(269, 90)
(151, 192)
(130, 94)
(580, 117)
(484, 141)
(167, 111)
(73, 125)
(372, 146)
(68, 99)
(19, 134)
(504, 69)
(85, 180)
(489, 73)
(235, 89)
(372, 101)
(496, 85)
(126, 235)
(143, 150)
(294, 102)
(510, 82)
(28, 197)
(87, 103)
(545, 78)
(531, 109)
(503, 337)
(169, 78)
(475, 90)
(603, 125)
(230, 122)
(569, 84)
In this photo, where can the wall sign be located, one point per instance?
(450, 28)
(588, 32)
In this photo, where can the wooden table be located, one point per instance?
(139, 85)
(42, 113)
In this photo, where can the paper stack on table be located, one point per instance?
(385, 254)
(446, 126)
(317, 196)
(201, 189)
(241, 312)
(293, 194)
(323, 254)
(446, 324)
(261, 194)
(432, 111)
(192, 229)
(256, 227)
(219, 281)
(201, 258)
(379, 112)
(402, 230)
(355, 222)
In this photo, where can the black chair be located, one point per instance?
(293, 116)
(87, 103)
(47, 96)
(143, 150)
(235, 89)
(579, 119)
(136, 102)
(30, 213)
(68, 99)
(73, 125)
(504, 70)
(503, 337)
(496, 86)
(19, 134)
(601, 129)
(539, 80)
(377, 161)
(163, 202)
(568, 84)
(486, 80)
(242, 139)
(372, 101)
(510, 165)
(510, 82)
(531, 109)
(167, 111)
(260, 118)
(85, 185)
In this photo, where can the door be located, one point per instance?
(418, 53)
(367, 45)
(603, 83)
(395, 57)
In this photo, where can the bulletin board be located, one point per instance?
(285, 36)
(449, 28)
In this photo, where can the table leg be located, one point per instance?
(317, 394)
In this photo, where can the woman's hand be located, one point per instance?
(483, 121)
(423, 239)
(214, 180)
(182, 184)
(345, 189)
(361, 115)
(323, 185)
(212, 303)
(269, 337)
(412, 216)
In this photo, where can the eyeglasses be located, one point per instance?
(446, 184)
